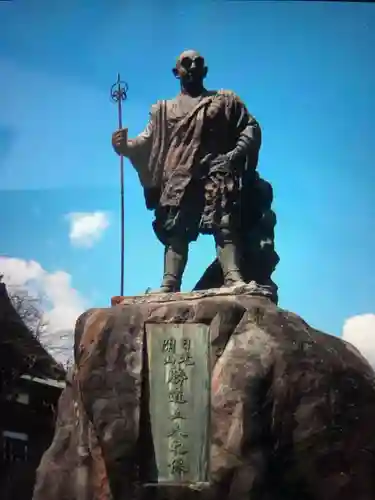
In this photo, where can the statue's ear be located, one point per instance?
(175, 72)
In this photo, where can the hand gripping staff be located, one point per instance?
(118, 94)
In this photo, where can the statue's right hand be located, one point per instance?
(120, 141)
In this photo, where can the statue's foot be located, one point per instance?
(233, 278)
(164, 289)
(234, 284)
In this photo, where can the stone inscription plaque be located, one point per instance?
(179, 380)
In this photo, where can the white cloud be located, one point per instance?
(360, 331)
(63, 304)
(86, 228)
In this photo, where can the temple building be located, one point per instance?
(31, 382)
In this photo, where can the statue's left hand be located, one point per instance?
(221, 162)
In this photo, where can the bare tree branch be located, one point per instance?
(29, 308)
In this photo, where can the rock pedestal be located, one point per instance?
(280, 410)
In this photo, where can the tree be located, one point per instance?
(31, 306)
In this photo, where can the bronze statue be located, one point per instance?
(196, 161)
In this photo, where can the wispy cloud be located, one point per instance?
(86, 228)
(360, 331)
(61, 304)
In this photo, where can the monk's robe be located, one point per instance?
(181, 163)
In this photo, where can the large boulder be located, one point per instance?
(292, 408)
(62, 473)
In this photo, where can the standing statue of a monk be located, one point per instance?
(194, 159)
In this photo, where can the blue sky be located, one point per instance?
(304, 69)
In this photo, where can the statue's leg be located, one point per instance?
(170, 230)
(228, 255)
(175, 259)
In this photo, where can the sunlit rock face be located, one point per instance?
(292, 408)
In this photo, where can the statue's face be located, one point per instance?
(190, 68)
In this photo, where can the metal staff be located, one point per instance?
(118, 94)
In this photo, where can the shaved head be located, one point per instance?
(188, 54)
(190, 69)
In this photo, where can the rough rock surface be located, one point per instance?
(293, 409)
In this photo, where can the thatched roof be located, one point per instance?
(19, 347)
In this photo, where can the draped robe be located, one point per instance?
(180, 163)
